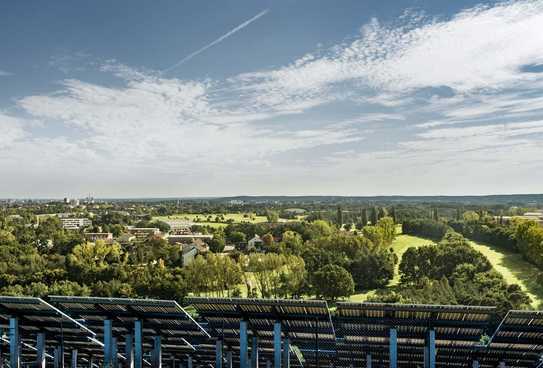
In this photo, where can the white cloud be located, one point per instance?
(3, 73)
(251, 129)
(12, 130)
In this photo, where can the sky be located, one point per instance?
(134, 98)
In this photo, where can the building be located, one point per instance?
(73, 223)
(187, 238)
(254, 243)
(189, 252)
(142, 233)
(93, 237)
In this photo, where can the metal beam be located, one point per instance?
(156, 353)
(430, 349)
(108, 344)
(40, 350)
(286, 352)
(393, 348)
(254, 352)
(218, 353)
(114, 353)
(73, 362)
(56, 357)
(243, 344)
(138, 344)
(129, 350)
(229, 360)
(14, 342)
(277, 344)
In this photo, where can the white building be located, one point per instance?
(72, 223)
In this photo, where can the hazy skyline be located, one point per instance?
(270, 98)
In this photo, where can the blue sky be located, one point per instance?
(312, 97)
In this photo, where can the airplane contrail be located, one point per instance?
(224, 36)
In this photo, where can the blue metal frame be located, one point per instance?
(277, 344)
(254, 352)
(108, 344)
(393, 348)
(14, 340)
(218, 353)
(138, 344)
(243, 344)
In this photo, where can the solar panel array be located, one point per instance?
(307, 323)
(165, 318)
(364, 329)
(317, 337)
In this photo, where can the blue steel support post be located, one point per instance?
(393, 348)
(40, 350)
(114, 353)
(430, 349)
(229, 360)
(286, 352)
(243, 345)
(73, 362)
(138, 344)
(108, 344)
(254, 352)
(277, 344)
(56, 357)
(218, 353)
(14, 341)
(368, 361)
(129, 350)
(156, 356)
(475, 364)
(189, 362)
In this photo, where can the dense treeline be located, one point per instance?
(425, 228)
(295, 259)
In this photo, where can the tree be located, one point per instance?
(217, 244)
(333, 282)
(374, 216)
(470, 216)
(236, 237)
(272, 216)
(91, 262)
(339, 217)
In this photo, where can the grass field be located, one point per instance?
(515, 270)
(202, 219)
(399, 245)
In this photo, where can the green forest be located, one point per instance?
(332, 252)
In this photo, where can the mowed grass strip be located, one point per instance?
(515, 270)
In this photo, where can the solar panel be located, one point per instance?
(35, 316)
(365, 327)
(306, 322)
(165, 318)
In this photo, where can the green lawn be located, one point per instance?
(201, 219)
(515, 270)
(399, 245)
(511, 265)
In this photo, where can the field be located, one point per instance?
(511, 265)
(203, 219)
(515, 270)
(209, 218)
